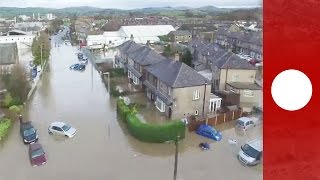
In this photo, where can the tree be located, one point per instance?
(17, 84)
(43, 40)
(187, 58)
(167, 52)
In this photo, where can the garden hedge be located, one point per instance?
(149, 132)
(5, 125)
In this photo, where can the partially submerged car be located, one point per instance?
(37, 155)
(62, 128)
(209, 132)
(78, 67)
(28, 133)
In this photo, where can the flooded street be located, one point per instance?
(102, 148)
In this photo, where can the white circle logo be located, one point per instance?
(291, 90)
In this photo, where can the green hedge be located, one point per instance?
(5, 125)
(149, 132)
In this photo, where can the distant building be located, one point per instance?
(139, 34)
(180, 36)
(24, 17)
(21, 38)
(50, 17)
(9, 57)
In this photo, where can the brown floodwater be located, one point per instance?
(102, 148)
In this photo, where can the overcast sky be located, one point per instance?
(128, 4)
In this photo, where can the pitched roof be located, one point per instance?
(176, 74)
(180, 33)
(129, 46)
(232, 61)
(8, 53)
(145, 56)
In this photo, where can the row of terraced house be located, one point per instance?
(176, 89)
(248, 43)
(229, 73)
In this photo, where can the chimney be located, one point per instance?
(131, 37)
(177, 56)
(148, 44)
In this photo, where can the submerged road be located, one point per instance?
(102, 148)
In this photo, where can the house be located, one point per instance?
(180, 36)
(8, 57)
(138, 61)
(121, 59)
(231, 68)
(177, 90)
(250, 94)
(248, 43)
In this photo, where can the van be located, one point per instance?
(251, 152)
(245, 123)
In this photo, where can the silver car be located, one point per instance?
(61, 128)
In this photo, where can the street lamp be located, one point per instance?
(41, 56)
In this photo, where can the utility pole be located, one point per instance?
(41, 57)
(176, 158)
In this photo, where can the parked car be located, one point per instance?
(28, 133)
(37, 155)
(80, 55)
(209, 132)
(61, 128)
(245, 123)
(251, 152)
(74, 66)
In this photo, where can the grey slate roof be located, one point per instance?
(129, 46)
(181, 33)
(146, 56)
(232, 61)
(8, 53)
(176, 74)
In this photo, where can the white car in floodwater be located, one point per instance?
(61, 128)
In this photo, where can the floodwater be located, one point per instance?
(102, 148)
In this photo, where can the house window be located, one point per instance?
(135, 80)
(129, 74)
(235, 78)
(247, 93)
(196, 112)
(160, 105)
(196, 95)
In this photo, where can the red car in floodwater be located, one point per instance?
(37, 155)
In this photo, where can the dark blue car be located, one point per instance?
(209, 132)
(78, 67)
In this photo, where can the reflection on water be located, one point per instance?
(103, 148)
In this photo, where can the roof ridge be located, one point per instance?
(174, 82)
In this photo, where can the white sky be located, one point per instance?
(128, 4)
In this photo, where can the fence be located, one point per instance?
(194, 123)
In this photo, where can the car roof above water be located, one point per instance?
(244, 119)
(58, 124)
(35, 146)
(256, 144)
